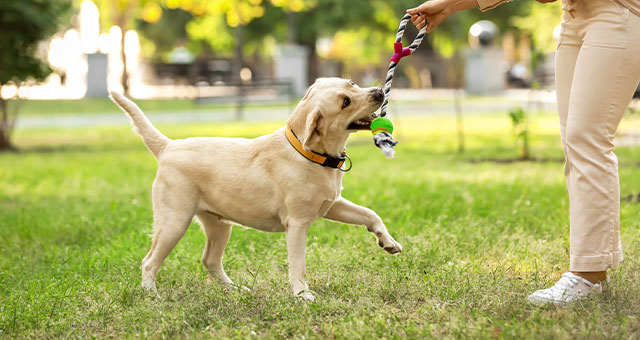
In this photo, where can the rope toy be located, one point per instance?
(382, 127)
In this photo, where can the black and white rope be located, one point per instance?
(384, 140)
(392, 67)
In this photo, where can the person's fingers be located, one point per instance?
(430, 27)
(420, 22)
(435, 21)
(425, 8)
(421, 25)
(414, 19)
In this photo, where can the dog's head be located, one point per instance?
(332, 109)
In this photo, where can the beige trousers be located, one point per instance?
(597, 70)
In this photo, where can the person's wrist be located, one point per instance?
(459, 5)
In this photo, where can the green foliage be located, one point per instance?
(24, 24)
(364, 29)
(163, 35)
(539, 22)
(369, 24)
(520, 130)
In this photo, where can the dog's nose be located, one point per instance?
(378, 95)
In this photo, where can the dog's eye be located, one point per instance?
(352, 83)
(346, 102)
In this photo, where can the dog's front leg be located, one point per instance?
(345, 211)
(296, 235)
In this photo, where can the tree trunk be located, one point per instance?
(123, 56)
(6, 126)
(291, 27)
(236, 67)
(313, 63)
(458, 63)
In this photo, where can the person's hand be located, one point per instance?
(432, 13)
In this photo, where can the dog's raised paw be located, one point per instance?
(392, 247)
(395, 248)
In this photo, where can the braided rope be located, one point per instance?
(384, 140)
(392, 66)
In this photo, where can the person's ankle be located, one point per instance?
(593, 277)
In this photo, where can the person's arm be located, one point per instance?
(485, 5)
(432, 13)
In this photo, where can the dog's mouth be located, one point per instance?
(362, 123)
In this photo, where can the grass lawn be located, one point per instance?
(96, 106)
(478, 237)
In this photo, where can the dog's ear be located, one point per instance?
(306, 95)
(314, 129)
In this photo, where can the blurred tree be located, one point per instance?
(540, 20)
(122, 13)
(161, 35)
(24, 24)
(328, 17)
(361, 27)
(453, 33)
(362, 30)
(230, 26)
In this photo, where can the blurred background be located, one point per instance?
(476, 193)
(219, 58)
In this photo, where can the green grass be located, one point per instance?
(97, 106)
(478, 237)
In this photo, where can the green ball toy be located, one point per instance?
(381, 124)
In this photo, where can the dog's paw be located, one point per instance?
(235, 287)
(242, 288)
(391, 246)
(150, 289)
(305, 296)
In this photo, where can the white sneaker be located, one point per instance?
(569, 288)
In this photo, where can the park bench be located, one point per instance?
(241, 93)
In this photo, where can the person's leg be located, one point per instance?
(569, 44)
(606, 73)
(595, 82)
(566, 57)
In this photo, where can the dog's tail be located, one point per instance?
(152, 138)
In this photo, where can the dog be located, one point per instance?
(280, 182)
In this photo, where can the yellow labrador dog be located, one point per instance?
(280, 182)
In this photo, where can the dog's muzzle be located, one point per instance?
(377, 95)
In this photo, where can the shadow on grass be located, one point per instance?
(516, 160)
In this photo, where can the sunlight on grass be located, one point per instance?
(478, 236)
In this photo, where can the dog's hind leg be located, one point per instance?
(218, 233)
(345, 211)
(172, 214)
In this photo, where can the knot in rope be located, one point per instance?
(399, 52)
